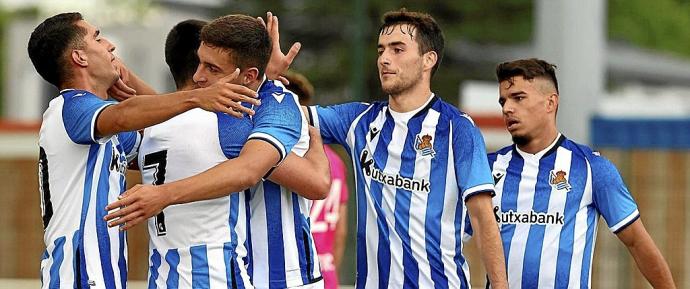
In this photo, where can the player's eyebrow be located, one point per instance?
(394, 43)
(517, 93)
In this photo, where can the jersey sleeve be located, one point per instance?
(278, 121)
(611, 197)
(334, 121)
(130, 143)
(471, 166)
(79, 114)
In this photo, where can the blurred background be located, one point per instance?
(623, 70)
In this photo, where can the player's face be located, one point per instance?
(525, 108)
(214, 64)
(400, 61)
(99, 54)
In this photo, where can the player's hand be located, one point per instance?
(121, 90)
(279, 63)
(224, 96)
(135, 206)
(315, 140)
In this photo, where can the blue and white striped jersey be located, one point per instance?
(548, 205)
(205, 244)
(282, 249)
(199, 244)
(79, 175)
(413, 173)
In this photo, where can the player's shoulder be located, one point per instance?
(596, 161)
(273, 89)
(71, 94)
(451, 113)
(503, 151)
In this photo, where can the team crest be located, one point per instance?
(559, 181)
(424, 146)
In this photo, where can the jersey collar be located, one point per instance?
(545, 152)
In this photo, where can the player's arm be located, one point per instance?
(308, 176)
(487, 235)
(647, 256)
(146, 110)
(144, 201)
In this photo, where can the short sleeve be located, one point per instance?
(130, 143)
(471, 166)
(278, 121)
(611, 197)
(232, 133)
(79, 114)
(334, 121)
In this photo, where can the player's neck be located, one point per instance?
(82, 82)
(410, 99)
(541, 141)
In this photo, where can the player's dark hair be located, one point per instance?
(428, 34)
(301, 86)
(527, 68)
(244, 38)
(181, 47)
(49, 43)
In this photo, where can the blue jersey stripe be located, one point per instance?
(248, 241)
(172, 257)
(58, 255)
(459, 258)
(153, 270)
(101, 226)
(122, 259)
(589, 245)
(302, 239)
(381, 157)
(88, 183)
(578, 176)
(535, 237)
(402, 205)
(200, 277)
(77, 257)
(274, 226)
(434, 210)
(361, 199)
(231, 269)
(509, 201)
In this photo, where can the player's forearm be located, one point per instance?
(216, 182)
(144, 111)
(491, 247)
(340, 236)
(308, 176)
(648, 258)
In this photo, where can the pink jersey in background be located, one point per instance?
(324, 218)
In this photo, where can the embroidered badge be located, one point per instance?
(559, 181)
(424, 146)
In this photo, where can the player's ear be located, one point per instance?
(79, 58)
(250, 75)
(430, 59)
(552, 102)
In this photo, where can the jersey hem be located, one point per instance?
(625, 222)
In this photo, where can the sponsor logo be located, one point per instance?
(394, 180)
(424, 146)
(531, 217)
(559, 181)
(118, 162)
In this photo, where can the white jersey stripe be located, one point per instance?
(552, 234)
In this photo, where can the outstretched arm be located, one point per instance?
(144, 201)
(142, 111)
(647, 256)
(489, 239)
(308, 176)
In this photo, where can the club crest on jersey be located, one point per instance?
(423, 145)
(559, 181)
